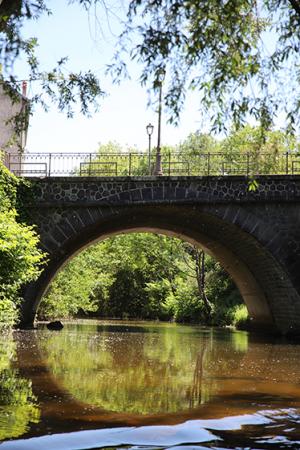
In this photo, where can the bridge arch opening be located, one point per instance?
(262, 282)
(179, 264)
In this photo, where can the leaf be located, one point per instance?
(252, 185)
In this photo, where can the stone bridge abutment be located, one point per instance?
(254, 235)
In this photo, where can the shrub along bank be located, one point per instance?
(20, 257)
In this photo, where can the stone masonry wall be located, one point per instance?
(124, 191)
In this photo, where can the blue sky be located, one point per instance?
(123, 114)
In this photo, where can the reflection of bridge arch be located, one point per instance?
(241, 391)
(255, 239)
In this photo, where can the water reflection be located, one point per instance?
(93, 376)
(18, 407)
(141, 370)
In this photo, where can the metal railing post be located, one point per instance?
(169, 162)
(208, 164)
(129, 162)
(49, 170)
(248, 168)
(90, 165)
(287, 163)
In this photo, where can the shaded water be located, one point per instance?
(141, 385)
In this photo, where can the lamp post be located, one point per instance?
(158, 167)
(149, 129)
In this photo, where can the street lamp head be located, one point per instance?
(149, 129)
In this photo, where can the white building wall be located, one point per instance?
(11, 143)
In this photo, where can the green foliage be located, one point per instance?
(8, 188)
(101, 277)
(252, 185)
(17, 403)
(70, 292)
(8, 310)
(20, 261)
(256, 141)
(126, 295)
(135, 368)
(140, 275)
(240, 316)
(184, 304)
(111, 160)
(219, 50)
(247, 151)
(157, 293)
(224, 294)
(263, 149)
(64, 90)
(199, 143)
(20, 258)
(18, 250)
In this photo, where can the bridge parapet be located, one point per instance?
(134, 190)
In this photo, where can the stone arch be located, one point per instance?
(265, 287)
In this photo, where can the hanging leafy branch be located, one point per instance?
(219, 49)
(63, 89)
(240, 57)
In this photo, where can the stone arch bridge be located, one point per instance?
(255, 235)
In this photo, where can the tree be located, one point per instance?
(220, 49)
(64, 91)
(20, 257)
(199, 257)
(71, 291)
(248, 150)
(262, 152)
(127, 295)
(241, 56)
(199, 143)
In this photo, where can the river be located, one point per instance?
(100, 384)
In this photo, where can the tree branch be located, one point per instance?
(295, 5)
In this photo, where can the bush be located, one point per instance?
(8, 313)
(70, 292)
(127, 297)
(20, 257)
(184, 304)
(240, 316)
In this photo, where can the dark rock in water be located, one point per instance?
(56, 325)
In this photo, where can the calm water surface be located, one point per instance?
(147, 386)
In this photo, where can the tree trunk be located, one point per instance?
(200, 274)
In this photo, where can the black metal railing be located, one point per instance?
(137, 164)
